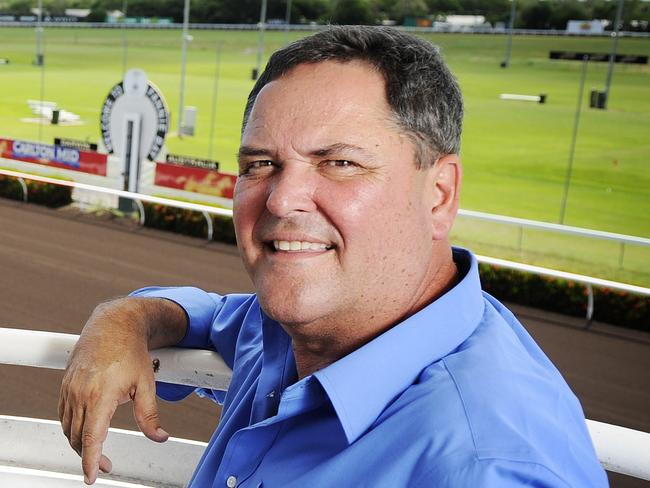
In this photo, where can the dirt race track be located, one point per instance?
(56, 265)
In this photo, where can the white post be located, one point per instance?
(260, 45)
(181, 104)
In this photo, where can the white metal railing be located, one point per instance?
(622, 239)
(619, 449)
(559, 228)
(200, 368)
(138, 198)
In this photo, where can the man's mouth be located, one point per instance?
(296, 246)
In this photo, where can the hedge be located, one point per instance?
(188, 222)
(567, 297)
(40, 193)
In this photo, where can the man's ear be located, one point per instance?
(446, 177)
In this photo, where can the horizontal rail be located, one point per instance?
(587, 280)
(192, 367)
(38, 444)
(563, 229)
(483, 259)
(619, 449)
(121, 193)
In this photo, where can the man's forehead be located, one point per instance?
(316, 95)
(327, 83)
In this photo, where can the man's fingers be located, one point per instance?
(145, 410)
(76, 428)
(95, 429)
(105, 464)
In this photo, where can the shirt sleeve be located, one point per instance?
(203, 332)
(494, 473)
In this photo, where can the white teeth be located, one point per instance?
(299, 246)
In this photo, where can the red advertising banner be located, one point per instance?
(54, 155)
(199, 180)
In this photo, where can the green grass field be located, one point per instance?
(515, 154)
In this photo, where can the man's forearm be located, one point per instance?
(162, 322)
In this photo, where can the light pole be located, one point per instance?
(181, 105)
(39, 34)
(214, 99)
(513, 10)
(569, 170)
(612, 55)
(287, 21)
(260, 44)
(125, 5)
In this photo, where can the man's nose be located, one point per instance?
(292, 190)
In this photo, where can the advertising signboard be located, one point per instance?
(54, 155)
(195, 179)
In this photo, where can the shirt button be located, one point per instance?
(231, 482)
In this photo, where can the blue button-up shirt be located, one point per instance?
(457, 395)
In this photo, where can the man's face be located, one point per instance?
(333, 218)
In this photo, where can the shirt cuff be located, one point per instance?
(199, 306)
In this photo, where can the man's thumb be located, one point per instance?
(145, 410)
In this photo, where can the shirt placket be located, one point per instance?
(248, 446)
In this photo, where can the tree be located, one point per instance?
(20, 7)
(536, 15)
(408, 8)
(354, 12)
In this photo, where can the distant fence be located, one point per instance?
(316, 27)
(521, 224)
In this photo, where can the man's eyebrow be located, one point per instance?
(338, 148)
(252, 151)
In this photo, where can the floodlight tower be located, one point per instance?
(511, 24)
(186, 39)
(612, 55)
(125, 6)
(39, 34)
(260, 45)
(287, 21)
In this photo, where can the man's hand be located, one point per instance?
(109, 366)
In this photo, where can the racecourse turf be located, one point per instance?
(515, 154)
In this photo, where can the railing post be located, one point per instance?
(621, 255)
(141, 212)
(590, 305)
(208, 219)
(23, 185)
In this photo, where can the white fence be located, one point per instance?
(621, 239)
(445, 29)
(619, 449)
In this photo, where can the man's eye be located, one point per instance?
(339, 163)
(256, 167)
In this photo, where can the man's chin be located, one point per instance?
(291, 311)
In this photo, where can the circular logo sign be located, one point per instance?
(135, 96)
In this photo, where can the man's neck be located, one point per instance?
(316, 346)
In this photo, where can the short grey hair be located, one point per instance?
(422, 92)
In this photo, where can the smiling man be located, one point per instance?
(368, 356)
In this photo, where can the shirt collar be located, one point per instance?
(361, 384)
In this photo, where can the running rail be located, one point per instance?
(619, 449)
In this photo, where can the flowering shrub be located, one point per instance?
(40, 193)
(188, 222)
(567, 297)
